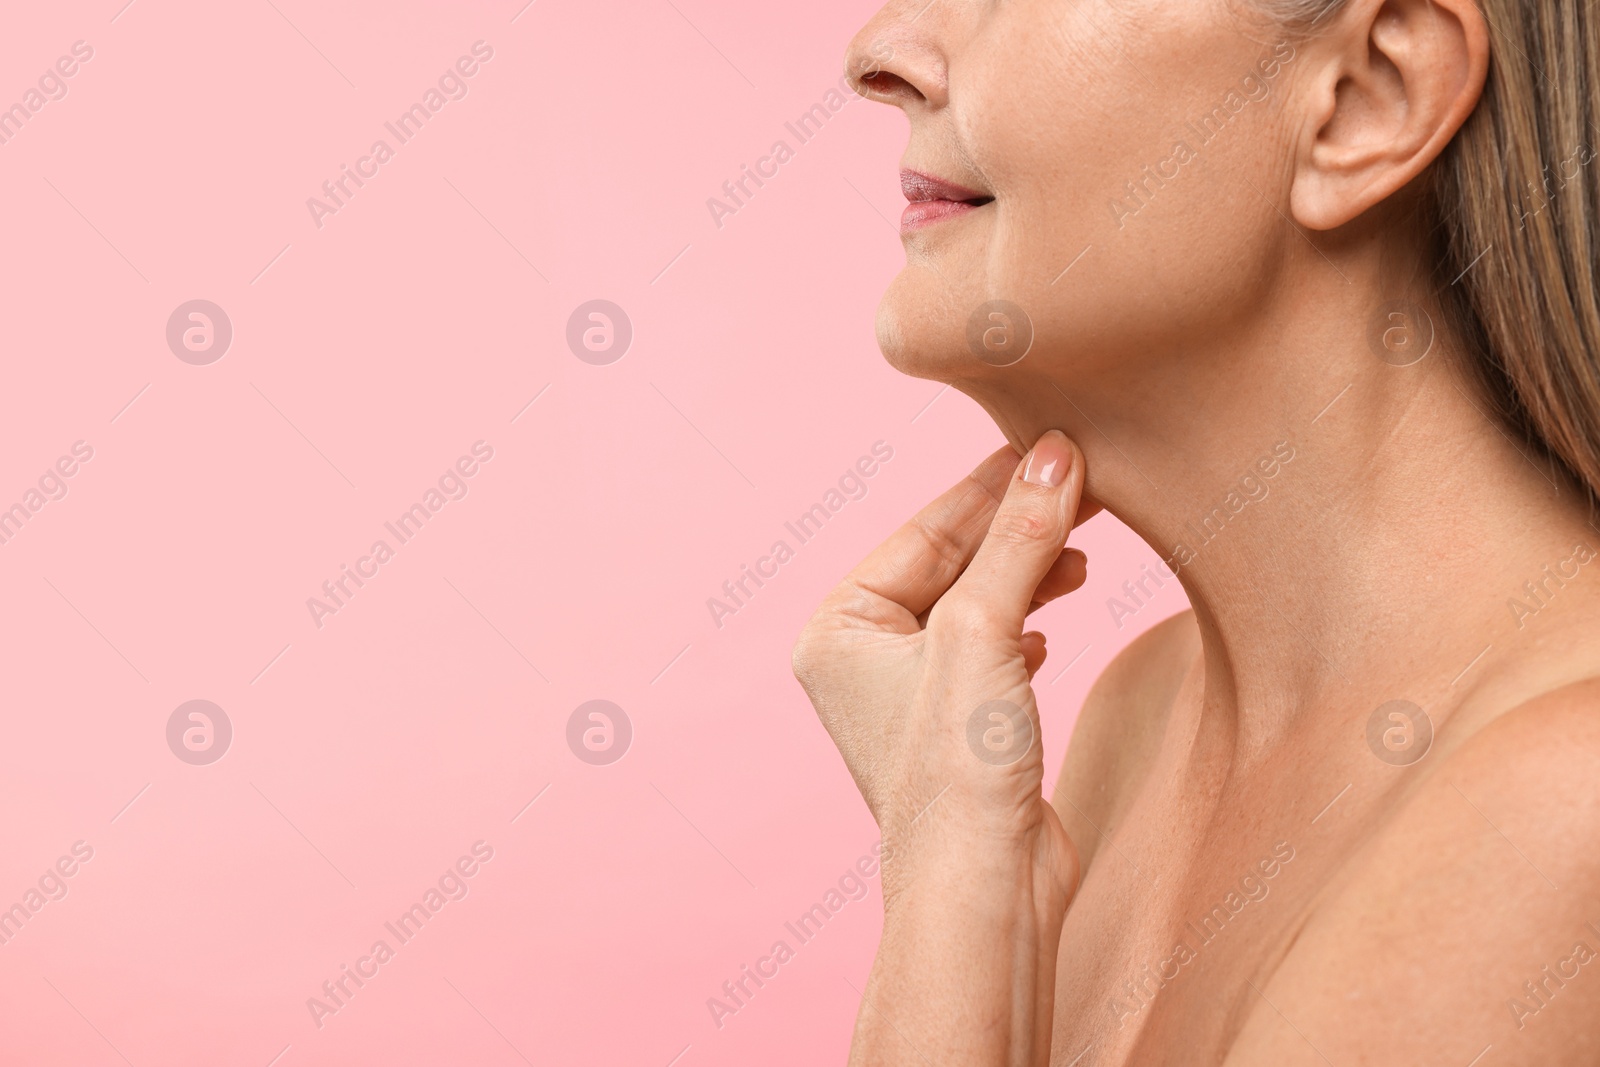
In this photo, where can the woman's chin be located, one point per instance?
(919, 343)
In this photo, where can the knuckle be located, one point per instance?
(844, 605)
(945, 555)
(964, 619)
(1026, 521)
(816, 648)
(806, 655)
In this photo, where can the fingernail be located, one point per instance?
(1049, 460)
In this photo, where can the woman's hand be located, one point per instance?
(919, 668)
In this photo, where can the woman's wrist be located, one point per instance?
(967, 958)
(983, 865)
(986, 883)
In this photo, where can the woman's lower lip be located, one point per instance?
(921, 213)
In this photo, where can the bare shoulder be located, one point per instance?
(1561, 725)
(1471, 919)
(1119, 730)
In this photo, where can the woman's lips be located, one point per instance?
(933, 199)
(926, 212)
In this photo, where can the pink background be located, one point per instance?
(367, 355)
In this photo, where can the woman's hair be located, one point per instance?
(1512, 210)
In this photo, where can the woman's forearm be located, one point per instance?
(965, 973)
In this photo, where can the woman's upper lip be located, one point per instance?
(919, 187)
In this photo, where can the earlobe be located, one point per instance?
(1398, 79)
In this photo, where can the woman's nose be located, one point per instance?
(896, 58)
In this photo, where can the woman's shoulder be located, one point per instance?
(1483, 879)
(1525, 777)
(1119, 729)
(1540, 746)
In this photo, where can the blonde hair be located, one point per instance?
(1511, 207)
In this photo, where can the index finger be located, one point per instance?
(924, 557)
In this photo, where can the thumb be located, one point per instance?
(1027, 534)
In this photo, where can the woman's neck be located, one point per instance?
(1360, 541)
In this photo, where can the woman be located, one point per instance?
(1304, 293)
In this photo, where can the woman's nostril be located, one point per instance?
(882, 83)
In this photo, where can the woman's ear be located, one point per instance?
(1394, 82)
